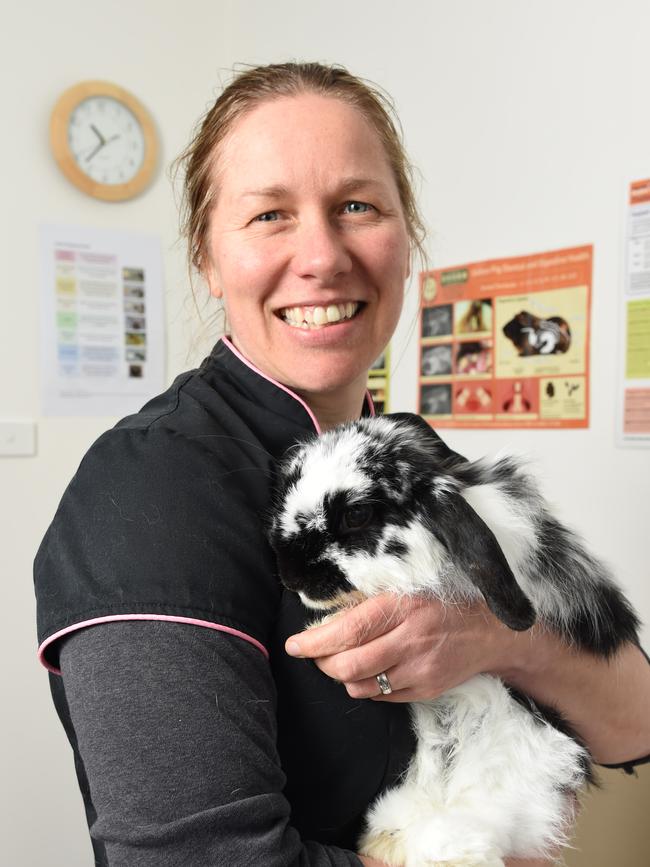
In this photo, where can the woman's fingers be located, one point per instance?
(362, 664)
(425, 648)
(352, 628)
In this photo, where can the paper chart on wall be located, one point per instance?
(102, 328)
(505, 343)
(379, 382)
(633, 427)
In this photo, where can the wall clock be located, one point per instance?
(104, 140)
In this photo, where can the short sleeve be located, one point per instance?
(159, 525)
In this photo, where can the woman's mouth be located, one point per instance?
(319, 317)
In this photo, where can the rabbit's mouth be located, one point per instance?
(319, 582)
(342, 600)
(314, 316)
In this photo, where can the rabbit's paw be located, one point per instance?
(385, 846)
(470, 861)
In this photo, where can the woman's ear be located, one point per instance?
(477, 555)
(210, 274)
(216, 291)
(214, 284)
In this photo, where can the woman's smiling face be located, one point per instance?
(307, 243)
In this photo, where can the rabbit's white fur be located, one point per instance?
(487, 780)
(493, 775)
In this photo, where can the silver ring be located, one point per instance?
(384, 683)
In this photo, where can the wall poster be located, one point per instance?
(634, 393)
(102, 327)
(505, 343)
(379, 382)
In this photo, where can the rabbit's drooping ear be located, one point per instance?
(476, 553)
(424, 429)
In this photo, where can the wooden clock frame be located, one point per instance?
(67, 103)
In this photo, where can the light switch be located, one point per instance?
(17, 438)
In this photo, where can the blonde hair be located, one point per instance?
(260, 84)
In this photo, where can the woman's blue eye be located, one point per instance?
(267, 217)
(357, 207)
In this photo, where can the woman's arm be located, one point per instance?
(607, 700)
(427, 648)
(175, 725)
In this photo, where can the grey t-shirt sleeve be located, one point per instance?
(176, 728)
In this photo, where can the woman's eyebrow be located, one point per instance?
(345, 187)
(266, 192)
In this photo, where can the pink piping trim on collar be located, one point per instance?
(111, 618)
(278, 384)
(231, 347)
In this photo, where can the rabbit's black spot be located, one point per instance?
(604, 619)
(304, 569)
(356, 518)
(394, 548)
(362, 538)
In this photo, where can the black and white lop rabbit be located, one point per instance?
(383, 505)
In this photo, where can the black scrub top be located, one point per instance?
(164, 520)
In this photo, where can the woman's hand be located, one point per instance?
(424, 647)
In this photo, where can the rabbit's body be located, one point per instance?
(489, 777)
(382, 504)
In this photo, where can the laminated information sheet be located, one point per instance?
(379, 382)
(505, 343)
(102, 349)
(634, 393)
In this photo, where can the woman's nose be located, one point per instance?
(320, 251)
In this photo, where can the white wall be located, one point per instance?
(526, 119)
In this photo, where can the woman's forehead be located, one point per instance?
(301, 139)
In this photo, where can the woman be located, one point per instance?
(198, 740)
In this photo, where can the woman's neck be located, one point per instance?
(336, 407)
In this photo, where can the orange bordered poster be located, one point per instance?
(505, 343)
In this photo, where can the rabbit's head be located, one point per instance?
(374, 506)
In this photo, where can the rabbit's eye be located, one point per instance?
(356, 518)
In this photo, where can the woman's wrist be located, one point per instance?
(529, 655)
(518, 658)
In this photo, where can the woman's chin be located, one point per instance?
(316, 372)
(330, 383)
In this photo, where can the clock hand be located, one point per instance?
(102, 144)
(93, 152)
(97, 133)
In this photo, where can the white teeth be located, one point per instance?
(333, 313)
(316, 317)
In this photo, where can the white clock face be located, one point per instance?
(106, 140)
